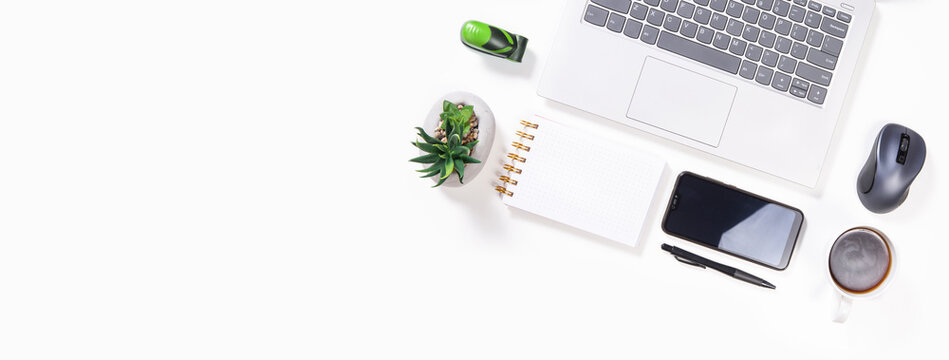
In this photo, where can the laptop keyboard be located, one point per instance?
(789, 46)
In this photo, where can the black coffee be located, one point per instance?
(859, 260)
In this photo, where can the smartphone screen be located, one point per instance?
(731, 220)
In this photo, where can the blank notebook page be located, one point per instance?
(584, 181)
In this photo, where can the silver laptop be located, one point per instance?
(758, 82)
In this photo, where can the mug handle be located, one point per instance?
(843, 309)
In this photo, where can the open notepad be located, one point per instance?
(580, 180)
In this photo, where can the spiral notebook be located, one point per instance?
(580, 180)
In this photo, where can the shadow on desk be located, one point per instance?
(523, 69)
(480, 199)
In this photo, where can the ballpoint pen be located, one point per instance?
(695, 260)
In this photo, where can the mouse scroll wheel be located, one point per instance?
(904, 148)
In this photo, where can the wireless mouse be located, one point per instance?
(897, 157)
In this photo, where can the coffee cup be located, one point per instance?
(860, 265)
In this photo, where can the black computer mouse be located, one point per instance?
(897, 157)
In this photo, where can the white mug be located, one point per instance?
(846, 297)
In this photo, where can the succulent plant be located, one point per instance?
(445, 157)
(455, 118)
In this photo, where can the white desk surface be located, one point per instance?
(220, 179)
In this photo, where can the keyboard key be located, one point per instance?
(799, 50)
(765, 4)
(822, 59)
(767, 21)
(763, 76)
(815, 38)
(702, 2)
(686, 10)
(842, 16)
(750, 33)
(798, 92)
(801, 84)
(829, 11)
(695, 51)
(832, 45)
(638, 11)
(702, 16)
(754, 52)
(749, 2)
(769, 58)
(721, 41)
(737, 46)
(783, 45)
(801, 2)
(781, 81)
(718, 5)
(835, 28)
(813, 74)
(615, 23)
(633, 28)
(767, 39)
(798, 32)
(797, 13)
(735, 27)
(672, 23)
(816, 94)
(689, 28)
(718, 21)
(812, 19)
(596, 15)
(655, 17)
(652, 2)
(649, 35)
(747, 69)
(813, 5)
(669, 5)
(782, 8)
(782, 27)
(751, 15)
(787, 64)
(734, 9)
(705, 35)
(615, 5)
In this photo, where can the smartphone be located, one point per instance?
(736, 222)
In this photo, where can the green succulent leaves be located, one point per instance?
(449, 156)
(455, 118)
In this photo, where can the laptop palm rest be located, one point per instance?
(681, 101)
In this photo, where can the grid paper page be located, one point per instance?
(586, 182)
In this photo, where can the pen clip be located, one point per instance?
(689, 262)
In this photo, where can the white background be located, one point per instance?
(229, 179)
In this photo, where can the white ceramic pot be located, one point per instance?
(485, 133)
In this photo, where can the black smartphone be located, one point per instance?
(731, 220)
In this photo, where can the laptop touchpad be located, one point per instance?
(681, 101)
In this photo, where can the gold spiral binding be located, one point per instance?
(508, 180)
(505, 179)
(513, 169)
(516, 157)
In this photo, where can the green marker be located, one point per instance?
(493, 41)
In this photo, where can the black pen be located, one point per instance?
(692, 259)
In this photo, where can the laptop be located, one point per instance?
(758, 82)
